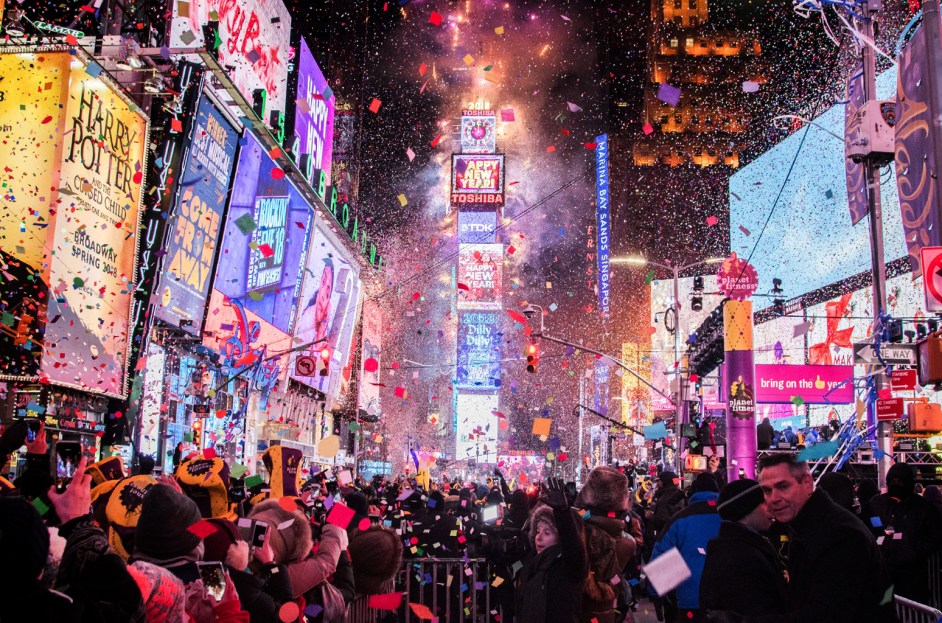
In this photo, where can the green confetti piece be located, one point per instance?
(353, 427)
(40, 506)
(237, 471)
(77, 282)
(246, 224)
(488, 68)
(887, 596)
(188, 437)
(7, 319)
(255, 296)
(798, 401)
(819, 451)
(649, 277)
(252, 481)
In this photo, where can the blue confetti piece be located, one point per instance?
(819, 451)
(655, 431)
(313, 610)
(94, 69)
(464, 588)
(35, 407)
(876, 522)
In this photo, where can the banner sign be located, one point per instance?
(781, 383)
(854, 171)
(603, 223)
(93, 249)
(255, 41)
(314, 119)
(478, 132)
(477, 179)
(479, 276)
(477, 227)
(264, 246)
(479, 350)
(477, 427)
(197, 219)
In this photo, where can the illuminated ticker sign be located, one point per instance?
(477, 179)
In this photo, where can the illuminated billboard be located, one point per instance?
(479, 276)
(477, 179)
(195, 225)
(371, 358)
(254, 40)
(93, 247)
(478, 132)
(264, 246)
(327, 311)
(477, 227)
(796, 195)
(314, 119)
(477, 427)
(479, 350)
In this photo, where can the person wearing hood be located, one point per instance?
(908, 529)
(743, 573)
(549, 586)
(667, 501)
(375, 553)
(690, 531)
(605, 497)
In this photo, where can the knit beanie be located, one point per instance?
(606, 489)
(24, 541)
(667, 478)
(357, 501)
(162, 530)
(162, 592)
(216, 543)
(704, 482)
(739, 498)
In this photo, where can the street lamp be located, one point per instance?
(676, 270)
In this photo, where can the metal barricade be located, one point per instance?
(910, 611)
(457, 590)
(935, 580)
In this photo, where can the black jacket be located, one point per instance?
(667, 502)
(743, 573)
(764, 435)
(836, 572)
(549, 587)
(263, 592)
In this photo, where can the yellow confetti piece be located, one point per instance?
(468, 60)
(403, 201)
(550, 456)
(499, 30)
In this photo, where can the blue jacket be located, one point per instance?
(689, 531)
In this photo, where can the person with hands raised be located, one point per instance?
(549, 586)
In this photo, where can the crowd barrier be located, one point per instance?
(935, 580)
(910, 611)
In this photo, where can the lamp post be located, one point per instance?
(676, 270)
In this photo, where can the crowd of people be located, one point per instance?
(206, 546)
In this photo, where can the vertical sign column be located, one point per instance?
(603, 224)
(739, 382)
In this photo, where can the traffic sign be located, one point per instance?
(891, 354)
(903, 380)
(305, 366)
(889, 409)
(930, 258)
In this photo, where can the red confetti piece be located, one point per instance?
(436, 141)
(551, 149)
(71, 40)
(423, 611)
(275, 153)
(266, 250)
(176, 125)
(374, 105)
(47, 119)
(711, 221)
(647, 128)
(340, 515)
(463, 286)
(202, 529)
(511, 249)
(517, 316)
(435, 19)
(138, 177)
(277, 173)
(400, 392)
(389, 601)
(370, 365)
(591, 145)
(422, 69)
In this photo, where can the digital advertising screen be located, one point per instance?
(372, 358)
(479, 350)
(32, 118)
(478, 132)
(254, 40)
(477, 427)
(603, 223)
(194, 227)
(327, 310)
(94, 241)
(479, 276)
(477, 227)
(314, 119)
(477, 179)
(264, 247)
(809, 241)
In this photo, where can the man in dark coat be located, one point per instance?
(743, 572)
(908, 529)
(765, 434)
(668, 500)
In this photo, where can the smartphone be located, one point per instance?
(213, 575)
(490, 513)
(32, 429)
(246, 529)
(259, 531)
(68, 455)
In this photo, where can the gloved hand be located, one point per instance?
(554, 494)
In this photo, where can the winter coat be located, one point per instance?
(765, 433)
(836, 572)
(549, 587)
(915, 533)
(743, 573)
(262, 592)
(376, 555)
(318, 567)
(609, 550)
(31, 601)
(667, 502)
(690, 531)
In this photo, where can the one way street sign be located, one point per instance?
(892, 354)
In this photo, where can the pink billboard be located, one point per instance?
(782, 383)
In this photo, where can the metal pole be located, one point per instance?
(678, 401)
(581, 414)
(872, 173)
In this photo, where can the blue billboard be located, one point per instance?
(477, 227)
(479, 350)
(603, 224)
(184, 282)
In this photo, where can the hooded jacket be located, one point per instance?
(609, 550)
(668, 500)
(690, 531)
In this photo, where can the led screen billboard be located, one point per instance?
(477, 227)
(478, 132)
(327, 310)
(94, 241)
(479, 350)
(314, 119)
(809, 241)
(479, 276)
(197, 219)
(371, 358)
(477, 179)
(254, 40)
(261, 260)
(477, 427)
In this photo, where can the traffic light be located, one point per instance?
(893, 331)
(324, 361)
(533, 357)
(198, 431)
(696, 301)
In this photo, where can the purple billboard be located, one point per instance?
(314, 121)
(261, 262)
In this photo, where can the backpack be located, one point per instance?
(607, 559)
